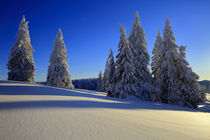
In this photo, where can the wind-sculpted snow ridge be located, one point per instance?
(35, 111)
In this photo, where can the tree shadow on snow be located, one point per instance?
(81, 104)
(52, 91)
(108, 102)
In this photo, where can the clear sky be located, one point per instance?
(90, 28)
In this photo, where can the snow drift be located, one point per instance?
(33, 111)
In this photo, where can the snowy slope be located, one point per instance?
(32, 111)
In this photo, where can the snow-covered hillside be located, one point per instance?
(32, 111)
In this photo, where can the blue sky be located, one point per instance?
(90, 28)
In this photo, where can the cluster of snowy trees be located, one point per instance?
(21, 64)
(90, 83)
(205, 85)
(171, 81)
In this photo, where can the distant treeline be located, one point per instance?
(90, 83)
(206, 85)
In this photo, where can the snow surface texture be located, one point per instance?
(32, 111)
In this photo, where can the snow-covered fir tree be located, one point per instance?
(109, 75)
(190, 94)
(168, 78)
(100, 82)
(125, 83)
(139, 48)
(141, 60)
(172, 74)
(58, 70)
(105, 76)
(21, 64)
(157, 57)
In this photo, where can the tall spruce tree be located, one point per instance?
(157, 57)
(58, 70)
(172, 74)
(125, 83)
(141, 60)
(138, 46)
(21, 64)
(109, 75)
(190, 94)
(105, 75)
(168, 78)
(156, 64)
(100, 82)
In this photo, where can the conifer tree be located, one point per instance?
(157, 57)
(100, 81)
(105, 75)
(58, 70)
(175, 79)
(109, 75)
(168, 78)
(21, 64)
(141, 60)
(138, 46)
(125, 83)
(156, 64)
(190, 94)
